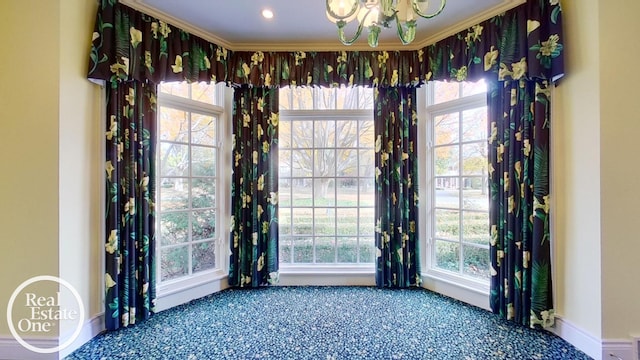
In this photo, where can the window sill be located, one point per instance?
(477, 286)
(183, 290)
(329, 269)
(457, 287)
(327, 275)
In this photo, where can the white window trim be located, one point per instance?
(463, 288)
(314, 114)
(336, 269)
(339, 269)
(170, 293)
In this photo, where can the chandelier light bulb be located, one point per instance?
(341, 8)
(267, 14)
(374, 14)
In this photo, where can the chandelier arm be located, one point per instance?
(354, 9)
(341, 35)
(428, 16)
(408, 35)
(374, 33)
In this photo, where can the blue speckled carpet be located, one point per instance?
(326, 323)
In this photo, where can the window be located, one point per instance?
(456, 168)
(189, 160)
(326, 176)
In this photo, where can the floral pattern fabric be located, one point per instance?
(254, 188)
(396, 209)
(130, 45)
(520, 248)
(525, 42)
(130, 192)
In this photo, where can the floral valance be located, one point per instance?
(525, 42)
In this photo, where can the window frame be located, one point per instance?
(222, 111)
(427, 112)
(319, 113)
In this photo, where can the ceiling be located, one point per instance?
(302, 24)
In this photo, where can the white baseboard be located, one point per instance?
(618, 350)
(10, 348)
(91, 329)
(579, 338)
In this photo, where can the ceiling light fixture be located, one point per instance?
(373, 14)
(267, 14)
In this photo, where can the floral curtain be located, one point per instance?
(526, 40)
(520, 248)
(130, 192)
(396, 209)
(254, 188)
(130, 45)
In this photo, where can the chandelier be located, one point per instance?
(374, 14)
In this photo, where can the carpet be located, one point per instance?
(326, 323)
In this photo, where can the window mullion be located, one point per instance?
(190, 197)
(358, 182)
(335, 192)
(313, 187)
(460, 191)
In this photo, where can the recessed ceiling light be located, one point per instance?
(267, 14)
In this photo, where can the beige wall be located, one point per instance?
(620, 168)
(29, 110)
(50, 135)
(597, 171)
(81, 133)
(576, 172)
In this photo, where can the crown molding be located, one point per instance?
(143, 7)
(474, 20)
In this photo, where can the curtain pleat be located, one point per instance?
(130, 192)
(520, 252)
(254, 189)
(396, 209)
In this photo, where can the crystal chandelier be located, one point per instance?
(374, 14)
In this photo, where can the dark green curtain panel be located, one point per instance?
(520, 251)
(254, 189)
(396, 210)
(130, 287)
